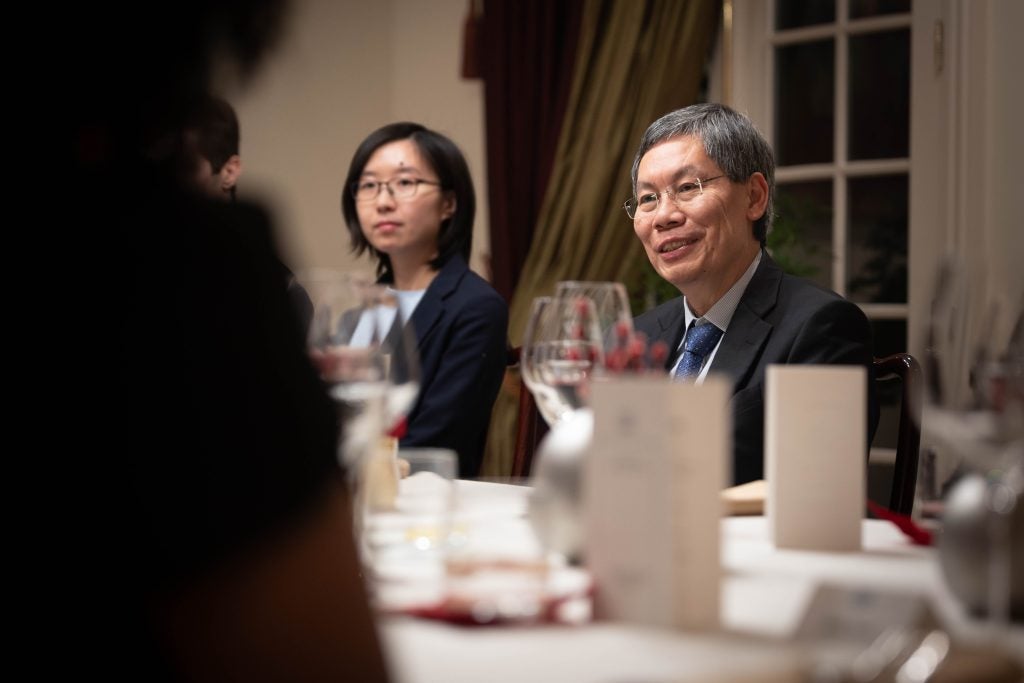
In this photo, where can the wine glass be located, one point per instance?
(561, 350)
(979, 425)
(344, 342)
(614, 318)
(365, 351)
(547, 404)
(398, 346)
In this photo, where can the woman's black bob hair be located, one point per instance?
(456, 235)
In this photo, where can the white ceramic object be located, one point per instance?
(556, 504)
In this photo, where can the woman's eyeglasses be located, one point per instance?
(400, 188)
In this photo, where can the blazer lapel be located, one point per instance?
(748, 331)
(431, 306)
(671, 324)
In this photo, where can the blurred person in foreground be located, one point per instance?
(408, 199)
(221, 538)
(704, 182)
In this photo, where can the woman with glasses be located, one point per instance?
(409, 201)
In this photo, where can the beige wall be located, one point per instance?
(1005, 149)
(346, 67)
(969, 208)
(343, 69)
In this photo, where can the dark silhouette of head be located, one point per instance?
(212, 133)
(137, 71)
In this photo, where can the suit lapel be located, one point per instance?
(748, 330)
(671, 324)
(431, 306)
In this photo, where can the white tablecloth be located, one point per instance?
(764, 594)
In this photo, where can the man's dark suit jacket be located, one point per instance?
(461, 327)
(779, 319)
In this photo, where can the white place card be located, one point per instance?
(651, 499)
(863, 613)
(815, 455)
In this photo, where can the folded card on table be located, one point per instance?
(815, 455)
(651, 499)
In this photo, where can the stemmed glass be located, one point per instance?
(366, 354)
(614, 319)
(544, 396)
(397, 343)
(562, 349)
(983, 426)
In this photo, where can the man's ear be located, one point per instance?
(230, 172)
(757, 202)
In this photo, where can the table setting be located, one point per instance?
(615, 562)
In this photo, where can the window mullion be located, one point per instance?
(839, 190)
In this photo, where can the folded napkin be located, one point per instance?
(745, 499)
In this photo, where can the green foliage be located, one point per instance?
(647, 289)
(788, 241)
(883, 277)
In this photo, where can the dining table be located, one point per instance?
(768, 596)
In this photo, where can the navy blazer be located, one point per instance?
(779, 319)
(461, 327)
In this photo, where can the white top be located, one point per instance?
(408, 300)
(719, 315)
(384, 316)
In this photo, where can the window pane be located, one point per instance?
(794, 13)
(801, 238)
(804, 82)
(876, 263)
(873, 8)
(880, 95)
(890, 336)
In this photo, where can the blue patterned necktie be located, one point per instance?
(700, 341)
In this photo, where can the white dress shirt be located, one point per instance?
(719, 315)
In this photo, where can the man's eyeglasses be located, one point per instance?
(400, 188)
(648, 201)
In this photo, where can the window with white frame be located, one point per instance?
(828, 81)
(840, 125)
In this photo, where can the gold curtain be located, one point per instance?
(635, 62)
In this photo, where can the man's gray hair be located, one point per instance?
(730, 140)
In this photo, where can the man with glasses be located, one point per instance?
(703, 181)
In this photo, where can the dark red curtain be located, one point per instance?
(526, 55)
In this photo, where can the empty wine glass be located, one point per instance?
(398, 346)
(543, 395)
(561, 350)
(614, 319)
(366, 354)
(345, 346)
(974, 415)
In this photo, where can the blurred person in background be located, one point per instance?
(212, 131)
(212, 138)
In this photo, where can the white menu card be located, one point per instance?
(651, 499)
(815, 455)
